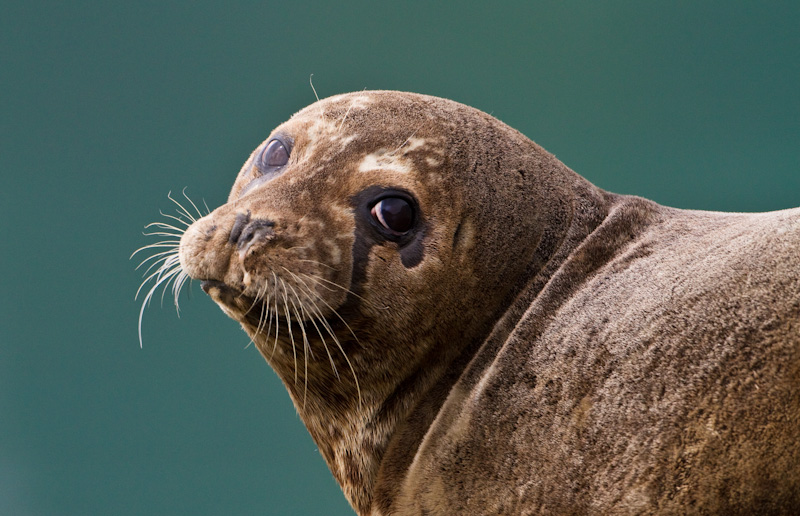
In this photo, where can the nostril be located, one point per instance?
(255, 230)
(238, 225)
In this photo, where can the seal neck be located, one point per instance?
(565, 260)
(369, 449)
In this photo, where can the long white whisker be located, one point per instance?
(277, 316)
(192, 202)
(164, 233)
(177, 219)
(180, 281)
(158, 273)
(146, 302)
(161, 266)
(317, 279)
(306, 349)
(163, 255)
(317, 314)
(164, 225)
(172, 274)
(264, 317)
(289, 328)
(339, 345)
(169, 244)
(183, 211)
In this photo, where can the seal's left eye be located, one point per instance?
(274, 155)
(395, 215)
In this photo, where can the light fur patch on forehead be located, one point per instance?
(397, 160)
(326, 134)
(360, 101)
(382, 159)
(327, 131)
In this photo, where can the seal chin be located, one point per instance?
(229, 299)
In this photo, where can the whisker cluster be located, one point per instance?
(295, 301)
(298, 306)
(164, 262)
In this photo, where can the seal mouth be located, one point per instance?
(239, 306)
(207, 285)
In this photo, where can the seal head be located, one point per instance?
(380, 225)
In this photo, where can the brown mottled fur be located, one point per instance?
(557, 350)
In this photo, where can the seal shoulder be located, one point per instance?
(645, 362)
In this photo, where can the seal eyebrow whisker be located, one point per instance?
(406, 140)
(311, 82)
(345, 117)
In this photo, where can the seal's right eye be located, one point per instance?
(394, 214)
(274, 155)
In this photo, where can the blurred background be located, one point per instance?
(107, 106)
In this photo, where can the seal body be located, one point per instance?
(466, 326)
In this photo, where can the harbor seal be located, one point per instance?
(466, 326)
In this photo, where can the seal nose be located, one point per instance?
(238, 225)
(248, 233)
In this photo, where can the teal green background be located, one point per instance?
(107, 106)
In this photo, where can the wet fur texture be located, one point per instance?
(535, 346)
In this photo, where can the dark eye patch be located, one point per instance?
(369, 232)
